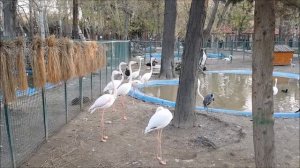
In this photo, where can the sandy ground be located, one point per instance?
(218, 140)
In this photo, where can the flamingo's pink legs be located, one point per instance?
(159, 151)
(123, 109)
(103, 137)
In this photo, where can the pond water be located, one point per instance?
(233, 91)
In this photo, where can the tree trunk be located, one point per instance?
(167, 59)
(75, 29)
(10, 14)
(262, 90)
(31, 20)
(41, 19)
(186, 95)
(158, 35)
(1, 20)
(223, 13)
(211, 21)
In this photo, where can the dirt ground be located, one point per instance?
(218, 140)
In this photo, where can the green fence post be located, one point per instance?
(45, 114)
(106, 70)
(66, 102)
(244, 45)
(9, 134)
(80, 93)
(129, 51)
(92, 86)
(111, 57)
(178, 48)
(231, 47)
(150, 50)
(100, 81)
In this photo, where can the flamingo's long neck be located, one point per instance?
(130, 70)
(151, 66)
(139, 65)
(198, 90)
(120, 69)
(114, 86)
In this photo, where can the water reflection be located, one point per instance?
(233, 91)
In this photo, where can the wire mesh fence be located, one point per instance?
(27, 122)
(216, 49)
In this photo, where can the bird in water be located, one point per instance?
(208, 99)
(160, 119)
(105, 101)
(285, 90)
(275, 89)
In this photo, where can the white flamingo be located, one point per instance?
(137, 73)
(124, 89)
(275, 89)
(204, 57)
(198, 90)
(135, 84)
(228, 59)
(145, 78)
(160, 119)
(103, 102)
(109, 87)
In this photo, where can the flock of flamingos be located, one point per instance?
(115, 88)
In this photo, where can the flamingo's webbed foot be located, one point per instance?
(163, 162)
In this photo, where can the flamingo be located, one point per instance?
(204, 57)
(228, 59)
(137, 73)
(135, 84)
(275, 89)
(160, 119)
(145, 78)
(105, 101)
(109, 87)
(124, 89)
(198, 90)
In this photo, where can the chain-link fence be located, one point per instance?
(216, 49)
(38, 113)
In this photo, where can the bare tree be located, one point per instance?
(167, 60)
(262, 91)
(41, 18)
(186, 95)
(10, 15)
(75, 30)
(211, 21)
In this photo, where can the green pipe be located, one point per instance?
(45, 114)
(92, 86)
(66, 102)
(9, 134)
(111, 57)
(100, 82)
(80, 93)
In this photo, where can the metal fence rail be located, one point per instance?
(26, 123)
